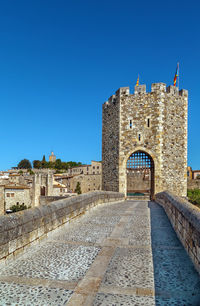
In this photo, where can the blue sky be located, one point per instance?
(60, 60)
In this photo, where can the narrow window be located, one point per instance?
(130, 124)
(148, 122)
(139, 137)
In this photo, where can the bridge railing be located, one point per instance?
(185, 219)
(22, 229)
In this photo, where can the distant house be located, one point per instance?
(59, 189)
(16, 194)
(192, 174)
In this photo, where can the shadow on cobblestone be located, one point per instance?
(176, 280)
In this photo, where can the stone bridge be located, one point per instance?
(115, 253)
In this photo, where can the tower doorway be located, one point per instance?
(140, 175)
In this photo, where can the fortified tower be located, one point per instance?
(145, 138)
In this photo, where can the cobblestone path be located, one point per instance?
(116, 254)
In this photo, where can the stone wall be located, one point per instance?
(44, 200)
(136, 181)
(19, 230)
(88, 182)
(153, 122)
(15, 196)
(193, 184)
(110, 143)
(2, 202)
(185, 219)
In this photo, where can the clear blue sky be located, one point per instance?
(60, 60)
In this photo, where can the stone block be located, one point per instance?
(188, 230)
(4, 250)
(12, 245)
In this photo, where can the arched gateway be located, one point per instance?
(140, 175)
(149, 130)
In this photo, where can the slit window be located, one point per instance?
(139, 137)
(130, 124)
(148, 122)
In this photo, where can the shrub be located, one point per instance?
(18, 207)
(194, 196)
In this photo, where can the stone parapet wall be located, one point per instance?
(44, 200)
(185, 219)
(20, 230)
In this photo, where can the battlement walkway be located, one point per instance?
(116, 254)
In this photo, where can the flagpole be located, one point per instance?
(178, 74)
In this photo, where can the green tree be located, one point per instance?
(43, 158)
(37, 164)
(65, 166)
(78, 188)
(72, 164)
(24, 164)
(43, 162)
(58, 164)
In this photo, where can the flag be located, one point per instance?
(176, 74)
(137, 81)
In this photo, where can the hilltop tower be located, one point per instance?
(144, 140)
(52, 157)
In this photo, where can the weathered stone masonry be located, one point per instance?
(158, 127)
(185, 219)
(20, 230)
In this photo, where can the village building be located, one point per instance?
(193, 174)
(94, 168)
(14, 195)
(90, 182)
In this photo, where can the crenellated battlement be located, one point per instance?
(158, 87)
(141, 90)
(123, 91)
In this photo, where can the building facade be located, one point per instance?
(145, 131)
(94, 168)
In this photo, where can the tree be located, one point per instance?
(78, 188)
(58, 164)
(43, 162)
(24, 164)
(43, 159)
(37, 164)
(65, 166)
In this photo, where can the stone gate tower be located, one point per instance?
(154, 123)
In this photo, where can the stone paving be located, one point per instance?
(116, 254)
